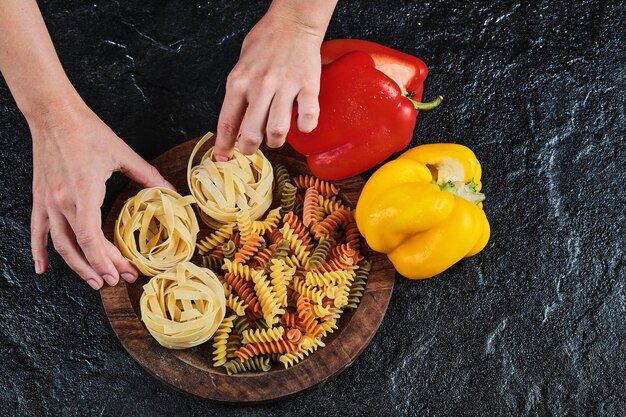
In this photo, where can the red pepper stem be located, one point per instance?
(426, 106)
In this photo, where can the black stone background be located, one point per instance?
(534, 325)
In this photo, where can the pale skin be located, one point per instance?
(74, 152)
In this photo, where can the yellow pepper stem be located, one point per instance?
(466, 191)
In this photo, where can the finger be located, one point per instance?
(127, 272)
(279, 118)
(308, 109)
(254, 122)
(39, 228)
(229, 122)
(138, 170)
(86, 224)
(65, 245)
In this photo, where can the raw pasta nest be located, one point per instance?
(184, 306)
(223, 189)
(156, 230)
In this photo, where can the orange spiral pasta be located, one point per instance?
(336, 264)
(298, 227)
(324, 188)
(276, 236)
(353, 237)
(309, 210)
(342, 251)
(293, 335)
(245, 291)
(262, 258)
(327, 226)
(290, 319)
(262, 348)
(305, 315)
(249, 248)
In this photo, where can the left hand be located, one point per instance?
(279, 65)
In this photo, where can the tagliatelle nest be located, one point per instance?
(156, 230)
(184, 306)
(223, 189)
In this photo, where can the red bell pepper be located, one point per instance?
(369, 101)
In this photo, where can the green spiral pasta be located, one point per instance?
(358, 285)
(281, 176)
(320, 253)
(212, 262)
(298, 209)
(255, 363)
(281, 252)
(287, 198)
(241, 325)
(229, 248)
(232, 345)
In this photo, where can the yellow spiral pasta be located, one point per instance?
(244, 224)
(296, 244)
(269, 223)
(313, 294)
(240, 270)
(220, 341)
(156, 230)
(319, 311)
(215, 239)
(262, 335)
(327, 279)
(278, 280)
(183, 306)
(306, 346)
(223, 189)
(267, 298)
(236, 304)
(342, 295)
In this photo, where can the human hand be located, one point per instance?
(74, 153)
(279, 64)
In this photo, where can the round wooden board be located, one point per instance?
(191, 370)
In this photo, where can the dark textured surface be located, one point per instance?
(534, 325)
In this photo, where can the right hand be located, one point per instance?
(74, 153)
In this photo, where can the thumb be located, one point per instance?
(138, 170)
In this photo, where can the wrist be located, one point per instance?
(304, 16)
(47, 109)
(56, 111)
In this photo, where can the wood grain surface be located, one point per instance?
(191, 370)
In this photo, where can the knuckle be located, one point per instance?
(58, 199)
(250, 140)
(267, 83)
(309, 112)
(85, 238)
(236, 83)
(62, 249)
(277, 130)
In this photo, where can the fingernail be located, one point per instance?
(128, 277)
(109, 279)
(168, 184)
(38, 267)
(93, 284)
(220, 158)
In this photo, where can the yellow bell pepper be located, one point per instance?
(424, 209)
